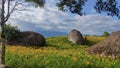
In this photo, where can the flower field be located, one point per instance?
(58, 53)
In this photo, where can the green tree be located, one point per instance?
(11, 32)
(111, 7)
(105, 34)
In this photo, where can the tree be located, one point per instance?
(105, 34)
(111, 7)
(11, 32)
(5, 15)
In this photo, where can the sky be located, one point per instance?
(51, 19)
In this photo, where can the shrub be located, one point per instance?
(11, 32)
(105, 34)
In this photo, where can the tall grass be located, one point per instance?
(59, 53)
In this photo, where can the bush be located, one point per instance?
(105, 34)
(11, 32)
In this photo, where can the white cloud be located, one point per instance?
(50, 18)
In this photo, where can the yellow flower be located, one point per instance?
(112, 62)
(103, 59)
(74, 59)
(87, 62)
(47, 61)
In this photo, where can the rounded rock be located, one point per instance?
(75, 36)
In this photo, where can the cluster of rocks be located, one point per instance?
(108, 47)
(30, 38)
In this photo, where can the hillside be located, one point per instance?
(58, 53)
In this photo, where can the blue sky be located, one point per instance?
(51, 19)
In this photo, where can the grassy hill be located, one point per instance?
(58, 53)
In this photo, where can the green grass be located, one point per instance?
(58, 53)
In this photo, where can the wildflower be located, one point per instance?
(112, 62)
(87, 62)
(47, 61)
(74, 59)
(103, 59)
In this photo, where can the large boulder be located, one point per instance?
(108, 47)
(75, 36)
(29, 38)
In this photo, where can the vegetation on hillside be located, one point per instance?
(59, 53)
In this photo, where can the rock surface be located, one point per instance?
(75, 36)
(29, 38)
(108, 47)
